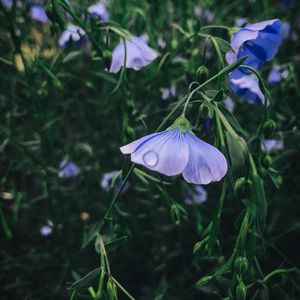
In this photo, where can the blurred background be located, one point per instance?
(63, 119)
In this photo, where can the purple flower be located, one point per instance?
(68, 169)
(271, 145)
(113, 177)
(99, 10)
(259, 42)
(167, 93)
(73, 33)
(285, 30)
(246, 87)
(38, 13)
(196, 195)
(276, 75)
(138, 55)
(177, 150)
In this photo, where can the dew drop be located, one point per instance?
(150, 158)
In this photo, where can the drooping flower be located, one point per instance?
(177, 150)
(167, 93)
(68, 169)
(271, 145)
(259, 42)
(73, 33)
(109, 178)
(277, 74)
(138, 55)
(196, 195)
(99, 10)
(38, 13)
(246, 87)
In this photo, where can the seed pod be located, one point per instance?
(241, 291)
(266, 161)
(241, 264)
(202, 73)
(269, 127)
(243, 187)
(203, 281)
(175, 214)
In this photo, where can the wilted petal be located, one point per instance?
(206, 163)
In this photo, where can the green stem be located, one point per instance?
(122, 288)
(215, 27)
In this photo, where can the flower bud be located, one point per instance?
(206, 111)
(112, 290)
(242, 187)
(202, 73)
(175, 214)
(241, 264)
(278, 180)
(269, 127)
(266, 161)
(241, 291)
(203, 281)
(107, 57)
(263, 172)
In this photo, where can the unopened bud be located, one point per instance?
(107, 57)
(266, 161)
(269, 127)
(175, 214)
(242, 187)
(241, 264)
(203, 281)
(241, 291)
(202, 73)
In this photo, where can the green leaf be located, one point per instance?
(223, 45)
(86, 280)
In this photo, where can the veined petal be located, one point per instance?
(206, 163)
(166, 153)
(131, 147)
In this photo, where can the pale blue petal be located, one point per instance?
(206, 163)
(166, 153)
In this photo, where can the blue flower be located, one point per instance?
(7, 3)
(47, 229)
(99, 10)
(168, 93)
(246, 87)
(229, 104)
(68, 169)
(241, 22)
(178, 150)
(138, 53)
(113, 177)
(73, 33)
(276, 75)
(271, 145)
(38, 13)
(205, 15)
(196, 195)
(285, 30)
(259, 42)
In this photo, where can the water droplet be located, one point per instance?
(150, 158)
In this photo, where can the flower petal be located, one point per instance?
(206, 163)
(166, 153)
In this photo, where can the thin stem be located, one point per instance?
(122, 288)
(215, 27)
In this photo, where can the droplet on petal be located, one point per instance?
(151, 158)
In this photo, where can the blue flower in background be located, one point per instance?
(108, 179)
(246, 87)
(138, 55)
(259, 42)
(277, 74)
(205, 15)
(38, 13)
(73, 33)
(271, 145)
(176, 151)
(7, 3)
(241, 22)
(47, 229)
(168, 93)
(285, 30)
(68, 169)
(99, 10)
(196, 195)
(229, 104)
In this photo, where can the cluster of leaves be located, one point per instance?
(144, 243)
